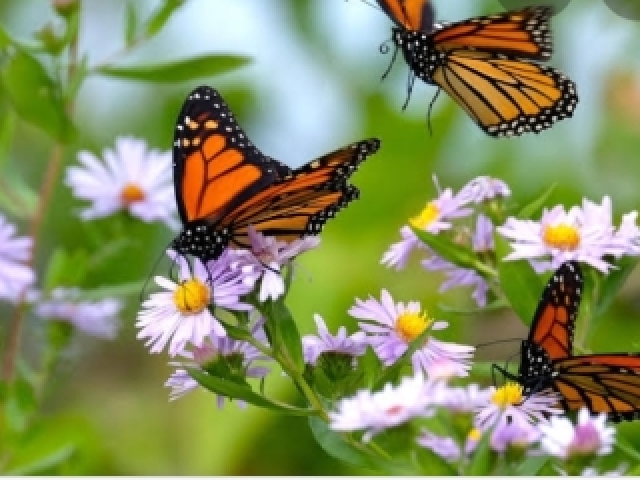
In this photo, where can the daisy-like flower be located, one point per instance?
(181, 313)
(590, 436)
(484, 188)
(342, 343)
(96, 318)
(434, 218)
(508, 405)
(592, 472)
(447, 447)
(267, 257)
(239, 357)
(513, 432)
(584, 234)
(15, 275)
(458, 277)
(462, 399)
(130, 178)
(391, 327)
(390, 407)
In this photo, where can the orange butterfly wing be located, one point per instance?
(224, 184)
(607, 383)
(410, 14)
(506, 96)
(523, 33)
(554, 319)
(300, 205)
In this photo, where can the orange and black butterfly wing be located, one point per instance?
(215, 164)
(606, 383)
(301, 204)
(215, 168)
(555, 317)
(506, 96)
(523, 33)
(551, 334)
(410, 14)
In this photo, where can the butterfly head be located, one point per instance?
(536, 368)
(202, 241)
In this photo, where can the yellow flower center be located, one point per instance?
(426, 217)
(191, 297)
(131, 193)
(508, 394)
(409, 326)
(563, 236)
(474, 435)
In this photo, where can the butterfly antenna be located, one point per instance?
(384, 49)
(410, 83)
(433, 101)
(155, 266)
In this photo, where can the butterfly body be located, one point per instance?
(486, 65)
(604, 383)
(224, 184)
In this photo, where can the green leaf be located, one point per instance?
(34, 95)
(160, 17)
(536, 205)
(481, 459)
(520, 284)
(242, 391)
(531, 466)
(180, 71)
(131, 25)
(335, 445)
(611, 284)
(458, 254)
(66, 268)
(7, 127)
(283, 333)
(21, 404)
(391, 372)
(17, 196)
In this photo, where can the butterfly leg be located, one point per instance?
(410, 83)
(433, 101)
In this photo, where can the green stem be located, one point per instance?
(633, 454)
(308, 392)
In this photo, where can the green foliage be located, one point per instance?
(179, 71)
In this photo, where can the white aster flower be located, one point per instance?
(507, 404)
(15, 275)
(391, 327)
(181, 313)
(590, 436)
(585, 234)
(238, 356)
(484, 188)
(129, 178)
(342, 343)
(97, 318)
(390, 407)
(268, 255)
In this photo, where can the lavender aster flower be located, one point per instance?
(513, 432)
(434, 218)
(131, 178)
(484, 188)
(15, 275)
(508, 405)
(343, 343)
(444, 447)
(590, 436)
(458, 277)
(391, 327)
(181, 313)
(267, 257)
(97, 318)
(462, 399)
(390, 407)
(238, 355)
(583, 234)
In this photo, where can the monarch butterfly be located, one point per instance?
(604, 383)
(223, 183)
(482, 64)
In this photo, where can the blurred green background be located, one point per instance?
(314, 85)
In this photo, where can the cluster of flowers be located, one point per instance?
(584, 233)
(188, 317)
